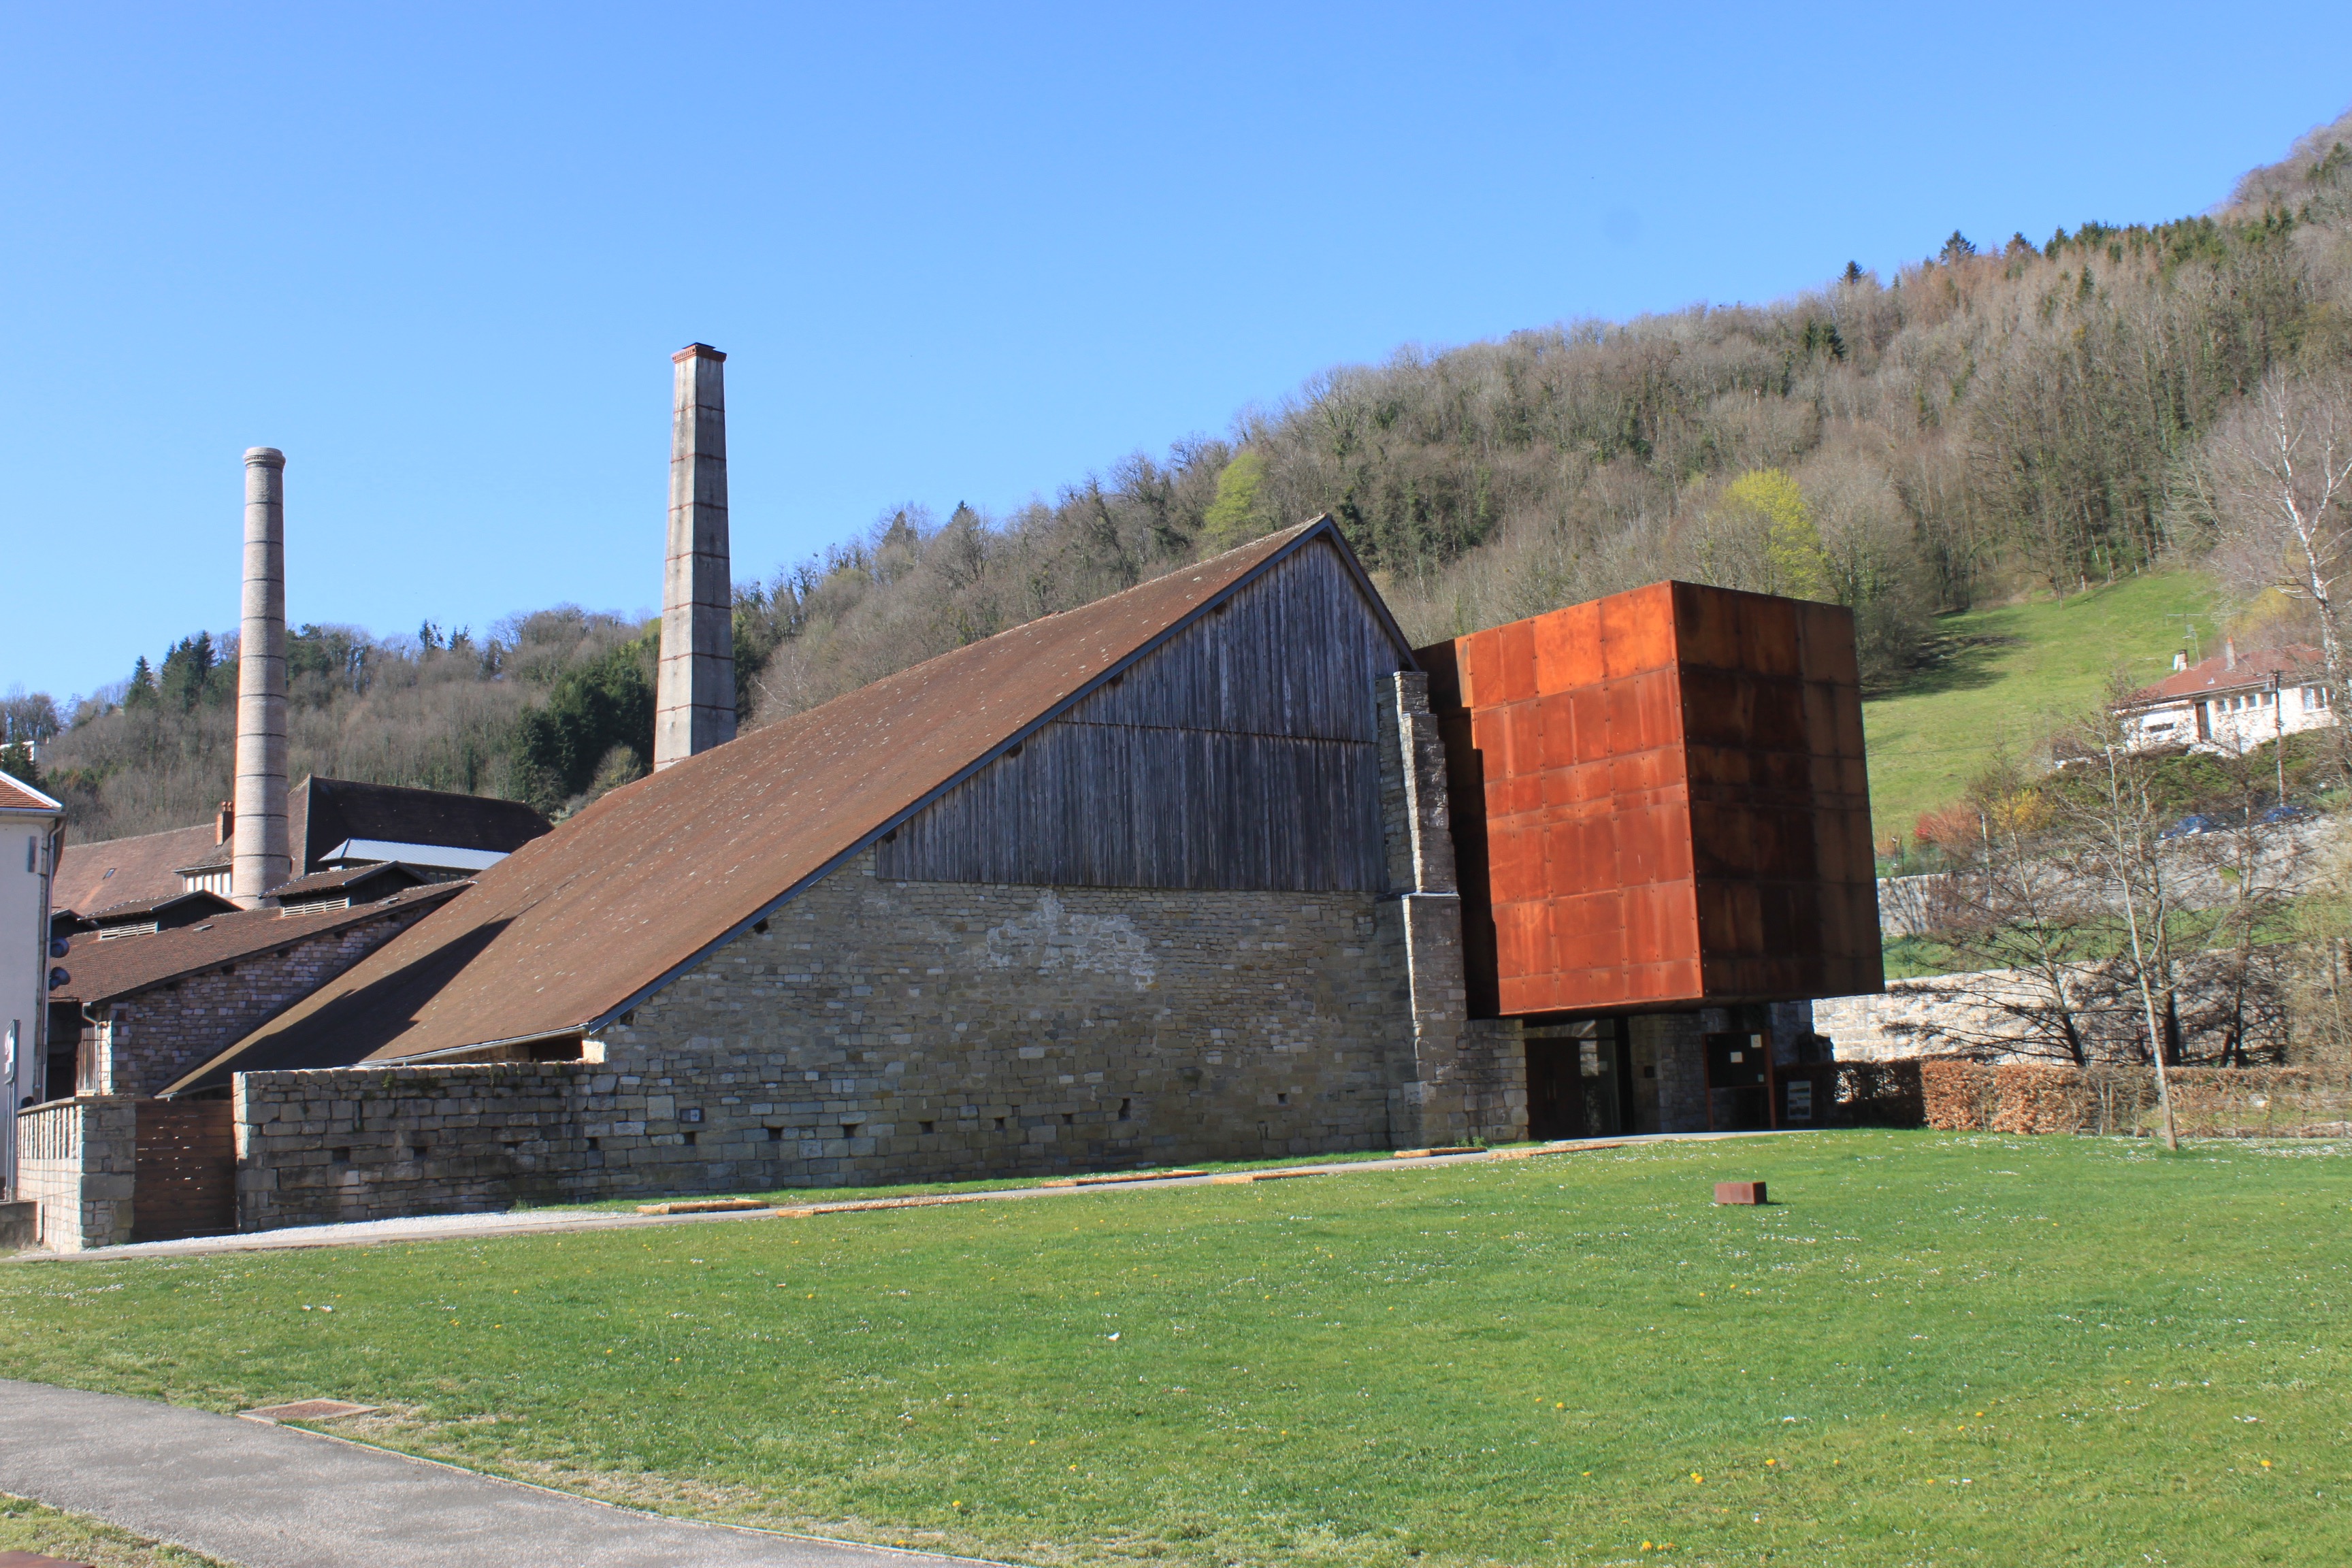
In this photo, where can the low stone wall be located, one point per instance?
(77, 1159)
(360, 1143)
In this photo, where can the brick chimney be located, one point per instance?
(224, 821)
(694, 696)
(257, 856)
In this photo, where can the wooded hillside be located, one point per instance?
(2003, 417)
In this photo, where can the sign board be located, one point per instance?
(1801, 1099)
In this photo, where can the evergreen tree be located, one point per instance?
(140, 693)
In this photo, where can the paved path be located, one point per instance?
(538, 1222)
(273, 1497)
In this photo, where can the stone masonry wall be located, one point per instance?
(148, 1040)
(377, 1142)
(931, 1031)
(888, 1031)
(76, 1159)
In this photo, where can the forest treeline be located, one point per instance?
(1999, 417)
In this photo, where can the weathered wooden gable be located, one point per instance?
(1240, 753)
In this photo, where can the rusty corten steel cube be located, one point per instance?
(1740, 1192)
(1675, 807)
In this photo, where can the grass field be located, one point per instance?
(1931, 1348)
(27, 1526)
(2011, 672)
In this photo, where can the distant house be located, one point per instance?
(2232, 701)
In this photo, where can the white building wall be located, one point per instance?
(28, 853)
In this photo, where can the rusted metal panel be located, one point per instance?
(1675, 805)
(184, 1170)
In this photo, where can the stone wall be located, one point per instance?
(148, 1040)
(357, 1143)
(911, 1031)
(76, 1159)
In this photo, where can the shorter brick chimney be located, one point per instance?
(224, 822)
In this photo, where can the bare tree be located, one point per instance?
(2281, 488)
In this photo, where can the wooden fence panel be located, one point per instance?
(186, 1177)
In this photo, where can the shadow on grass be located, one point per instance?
(1956, 662)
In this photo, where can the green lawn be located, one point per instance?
(1932, 1348)
(2012, 671)
(27, 1526)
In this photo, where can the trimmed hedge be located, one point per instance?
(1960, 1095)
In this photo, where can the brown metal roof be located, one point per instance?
(638, 887)
(99, 968)
(119, 870)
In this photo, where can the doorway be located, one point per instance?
(1579, 1079)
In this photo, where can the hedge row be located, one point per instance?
(2035, 1096)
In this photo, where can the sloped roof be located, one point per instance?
(637, 888)
(16, 794)
(334, 810)
(2298, 661)
(343, 878)
(131, 908)
(101, 967)
(120, 870)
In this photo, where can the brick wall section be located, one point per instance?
(76, 1159)
(148, 1040)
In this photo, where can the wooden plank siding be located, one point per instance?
(1241, 754)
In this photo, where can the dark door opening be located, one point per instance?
(1578, 1079)
(1739, 1083)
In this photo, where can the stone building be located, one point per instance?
(1217, 867)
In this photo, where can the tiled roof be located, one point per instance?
(640, 885)
(130, 908)
(342, 880)
(101, 967)
(2251, 671)
(16, 794)
(120, 870)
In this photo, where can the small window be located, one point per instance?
(927, 1126)
(691, 1137)
(1125, 1106)
(343, 1156)
(849, 1129)
(999, 1124)
(1069, 1119)
(775, 1134)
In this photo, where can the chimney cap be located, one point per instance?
(691, 350)
(265, 457)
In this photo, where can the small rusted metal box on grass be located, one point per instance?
(1740, 1192)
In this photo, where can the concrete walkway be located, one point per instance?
(274, 1496)
(540, 1222)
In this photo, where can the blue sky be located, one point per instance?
(441, 254)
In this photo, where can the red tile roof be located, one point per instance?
(2299, 662)
(16, 794)
(616, 901)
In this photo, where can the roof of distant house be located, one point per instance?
(99, 968)
(322, 814)
(2297, 661)
(16, 794)
(120, 870)
(645, 882)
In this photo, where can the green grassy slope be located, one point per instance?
(2012, 673)
(1929, 1347)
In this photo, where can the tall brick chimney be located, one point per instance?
(694, 696)
(257, 857)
